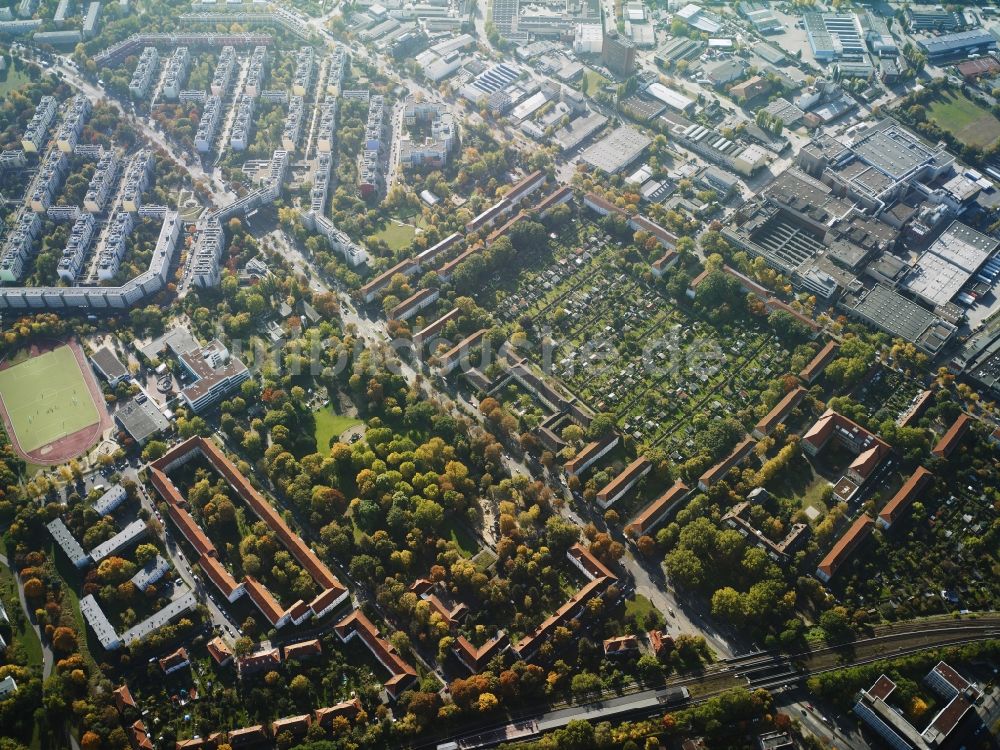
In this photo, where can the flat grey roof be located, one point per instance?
(893, 149)
(66, 541)
(895, 314)
(109, 364)
(99, 622)
(141, 421)
(617, 150)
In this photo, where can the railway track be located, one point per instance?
(764, 670)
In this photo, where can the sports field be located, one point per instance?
(46, 398)
(964, 118)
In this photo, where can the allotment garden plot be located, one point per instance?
(623, 347)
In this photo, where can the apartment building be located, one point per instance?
(144, 73)
(176, 74)
(222, 79)
(294, 120)
(305, 64)
(75, 252)
(256, 72)
(242, 123)
(208, 126)
(39, 124)
(102, 182)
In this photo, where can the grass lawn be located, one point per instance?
(397, 235)
(330, 425)
(46, 398)
(24, 634)
(645, 614)
(964, 118)
(466, 543)
(12, 80)
(595, 81)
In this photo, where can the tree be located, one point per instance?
(154, 449)
(64, 639)
(34, 588)
(487, 702)
(300, 686)
(836, 625)
(727, 603)
(585, 683)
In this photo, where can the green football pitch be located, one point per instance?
(46, 398)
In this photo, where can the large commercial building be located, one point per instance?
(618, 53)
(617, 150)
(958, 45)
(954, 258)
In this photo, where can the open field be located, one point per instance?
(330, 425)
(965, 119)
(11, 80)
(46, 398)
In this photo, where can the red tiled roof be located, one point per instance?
(448, 268)
(562, 615)
(629, 475)
(525, 185)
(587, 452)
(506, 227)
(383, 279)
(781, 410)
(261, 508)
(325, 599)
(870, 459)
(348, 709)
(842, 550)
(650, 516)
(216, 572)
(717, 472)
(917, 408)
(620, 644)
(303, 650)
(588, 560)
(402, 672)
(269, 657)
(140, 737)
(667, 239)
(603, 203)
(294, 724)
(668, 258)
(776, 304)
(950, 440)
(658, 641)
(247, 735)
(477, 658)
(435, 328)
(825, 355)
(464, 345)
(553, 198)
(902, 500)
(219, 650)
(264, 600)
(123, 698)
(178, 657)
(412, 301)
